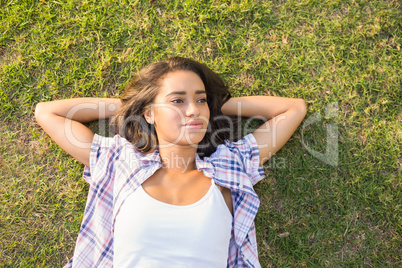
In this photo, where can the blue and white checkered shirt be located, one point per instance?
(117, 169)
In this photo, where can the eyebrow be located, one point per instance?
(184, 92)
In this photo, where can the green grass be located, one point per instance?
(344, 52)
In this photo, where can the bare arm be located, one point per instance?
(63, 121)
(284, 114)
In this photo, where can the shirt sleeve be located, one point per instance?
(248, 155)
(102, 152)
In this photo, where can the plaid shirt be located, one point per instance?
(116, 169)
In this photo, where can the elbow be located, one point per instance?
(301, 106)
(40, 112)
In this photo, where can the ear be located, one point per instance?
(148, 115)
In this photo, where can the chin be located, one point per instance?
(192, 140)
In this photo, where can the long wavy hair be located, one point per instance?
(140, 93)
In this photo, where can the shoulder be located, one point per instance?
(115, 143)
(238, 160)
(108, 142)
(245, 147)
(109, 152)
(114, 159)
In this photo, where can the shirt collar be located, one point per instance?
(155, 157)
(151, 157)
(202, 165)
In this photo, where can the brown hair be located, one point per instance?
(141, 91)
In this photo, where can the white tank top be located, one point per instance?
(149, 233)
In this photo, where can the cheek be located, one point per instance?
(168, 116)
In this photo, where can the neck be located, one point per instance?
(178, 159)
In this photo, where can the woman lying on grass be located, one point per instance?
(171, 189)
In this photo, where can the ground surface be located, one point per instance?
(342, 57)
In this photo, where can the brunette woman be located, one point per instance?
(172, 188)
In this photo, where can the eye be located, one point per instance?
(177, 101)
(202, 100)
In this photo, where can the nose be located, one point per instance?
(192, 109)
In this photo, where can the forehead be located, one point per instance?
(186, 81)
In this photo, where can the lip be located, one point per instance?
(193, 125)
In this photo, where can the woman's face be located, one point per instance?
(180, 111)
